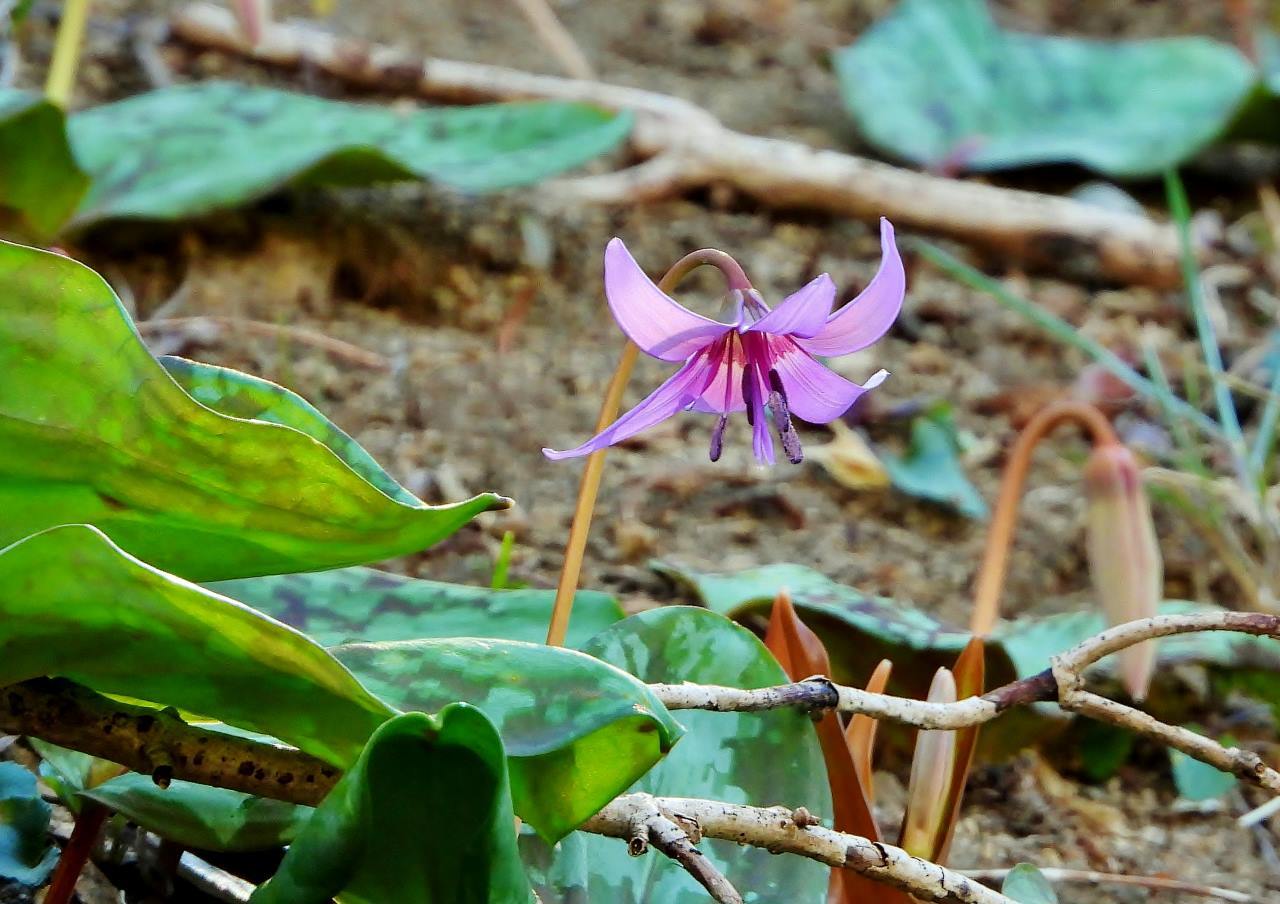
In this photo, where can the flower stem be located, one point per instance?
(589, 486)
(995, 558)
(89, 823)
(66, 52)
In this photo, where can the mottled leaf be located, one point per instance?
(25, 853)
(39, 178)
(938, 83)
(577, 730)
(73, 604)
(361, 604)
(94, 430)
(198, 816)
(424, 817)
(190, 149)
(931, 467)
(1027, 885)
(760, 758)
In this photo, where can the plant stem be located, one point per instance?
(75, 855)
(995, 557)
(589, 486)
(588, 489)
(66, 52)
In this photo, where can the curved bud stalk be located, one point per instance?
(1124, 556)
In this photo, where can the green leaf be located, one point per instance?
(74, 604)
(938, 80)
(1027, 885)
(1197, 781)
(94, 430)
(25, 853)
(931, 468)
(577, 731)
(198, 816)
(754, 758)
(191, 149)
(39, 178)
(361, 604)
(424, 817)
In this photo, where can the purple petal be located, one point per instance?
(869, 316)
(814, 393)
(657, 323)
(673, 396)
(802, 313)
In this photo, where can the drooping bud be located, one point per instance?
(1124, 557)
(253, 16)
(929, 791)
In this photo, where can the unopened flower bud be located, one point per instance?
(1124, 557)
(924, 825)
(253, 17)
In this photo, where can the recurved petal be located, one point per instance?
(814, 393)
(802, 313)
(869, 316)
(656, 322)
(673, 396)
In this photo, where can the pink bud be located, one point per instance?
(253, 16)
(925, 824)
(1124, 557)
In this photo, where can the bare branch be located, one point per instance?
(649, 825)
(71, 716)
(697, 150)
(776, 829)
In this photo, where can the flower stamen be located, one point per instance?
(782, 419)
(717, 437)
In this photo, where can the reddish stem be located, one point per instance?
(75, 855)
(995, 558)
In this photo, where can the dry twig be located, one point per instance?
(685, 147)
(1151, 883)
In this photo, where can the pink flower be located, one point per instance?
(762, 359)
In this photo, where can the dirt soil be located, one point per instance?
(490, 315)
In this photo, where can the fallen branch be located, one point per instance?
(685, 147)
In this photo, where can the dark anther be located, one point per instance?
(717, 437)
(782, 419)
(749, 395)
